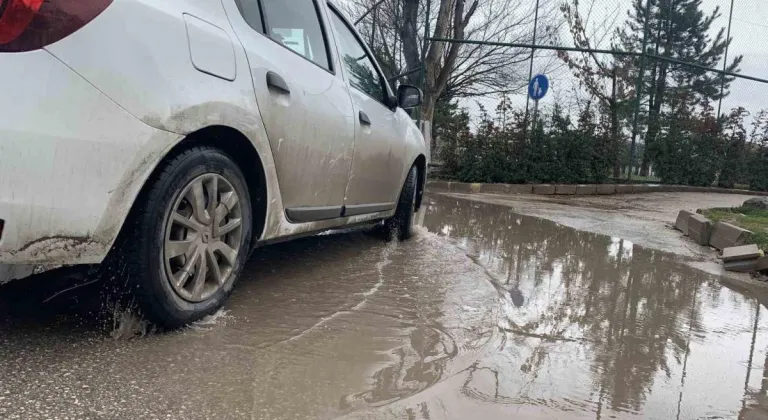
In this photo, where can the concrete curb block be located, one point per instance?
(642, 188)
(544, 189)
(681, 223)
(521, 189)
(741, 266)
(726, 235)
(762, 264)
(588, 189)
(741, 253)
(699, 229)
(606, 189)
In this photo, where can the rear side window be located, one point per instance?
(360, 69)
(295, 24)
(251, 12)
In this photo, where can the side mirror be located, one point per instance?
(409, 97)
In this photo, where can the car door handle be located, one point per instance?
(364, 118)
(276, 81)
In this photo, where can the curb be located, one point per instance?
(572, 189)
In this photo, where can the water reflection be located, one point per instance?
(594, 326)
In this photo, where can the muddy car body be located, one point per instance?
(126, 112)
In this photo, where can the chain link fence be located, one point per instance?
(665, 91)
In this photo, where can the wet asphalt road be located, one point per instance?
(484, 314)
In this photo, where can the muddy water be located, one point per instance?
(484, 314)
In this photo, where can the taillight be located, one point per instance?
(27, 25)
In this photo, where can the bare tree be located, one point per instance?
(454, 70)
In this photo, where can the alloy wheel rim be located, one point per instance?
(202, 237)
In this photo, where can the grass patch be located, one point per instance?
(752, 219)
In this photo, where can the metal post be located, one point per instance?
(533, 53)
(638, 90)
(725, 62)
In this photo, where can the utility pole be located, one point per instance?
(725, 62)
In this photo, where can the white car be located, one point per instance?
(176, 136)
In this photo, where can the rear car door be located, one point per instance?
(378, 164)
(303, 100)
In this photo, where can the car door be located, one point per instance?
(303, 100)
(377, 166)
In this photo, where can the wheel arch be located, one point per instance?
(235, 144)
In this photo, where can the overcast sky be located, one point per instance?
(750, 39)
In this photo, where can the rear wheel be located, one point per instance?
(400, 226)
(189, 237)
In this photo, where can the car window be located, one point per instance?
(251, 13)
(295, 24)
(360, 69)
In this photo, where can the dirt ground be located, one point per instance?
(487, 313)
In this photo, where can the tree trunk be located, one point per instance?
(654, 113)
(616, 140)
(659, 86)
(439, 59)
(427, 116)
(409, 35)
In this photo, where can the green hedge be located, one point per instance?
(693, 148)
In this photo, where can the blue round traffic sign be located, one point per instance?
(538, 87)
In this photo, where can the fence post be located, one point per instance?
(639, 90)
(725, 62)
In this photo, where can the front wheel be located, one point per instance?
(400, 226)
(189, 237)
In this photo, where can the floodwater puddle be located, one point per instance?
(483, 314)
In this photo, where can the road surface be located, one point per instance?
(485, 314)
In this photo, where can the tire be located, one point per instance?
(400, 226)
(172, 242)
